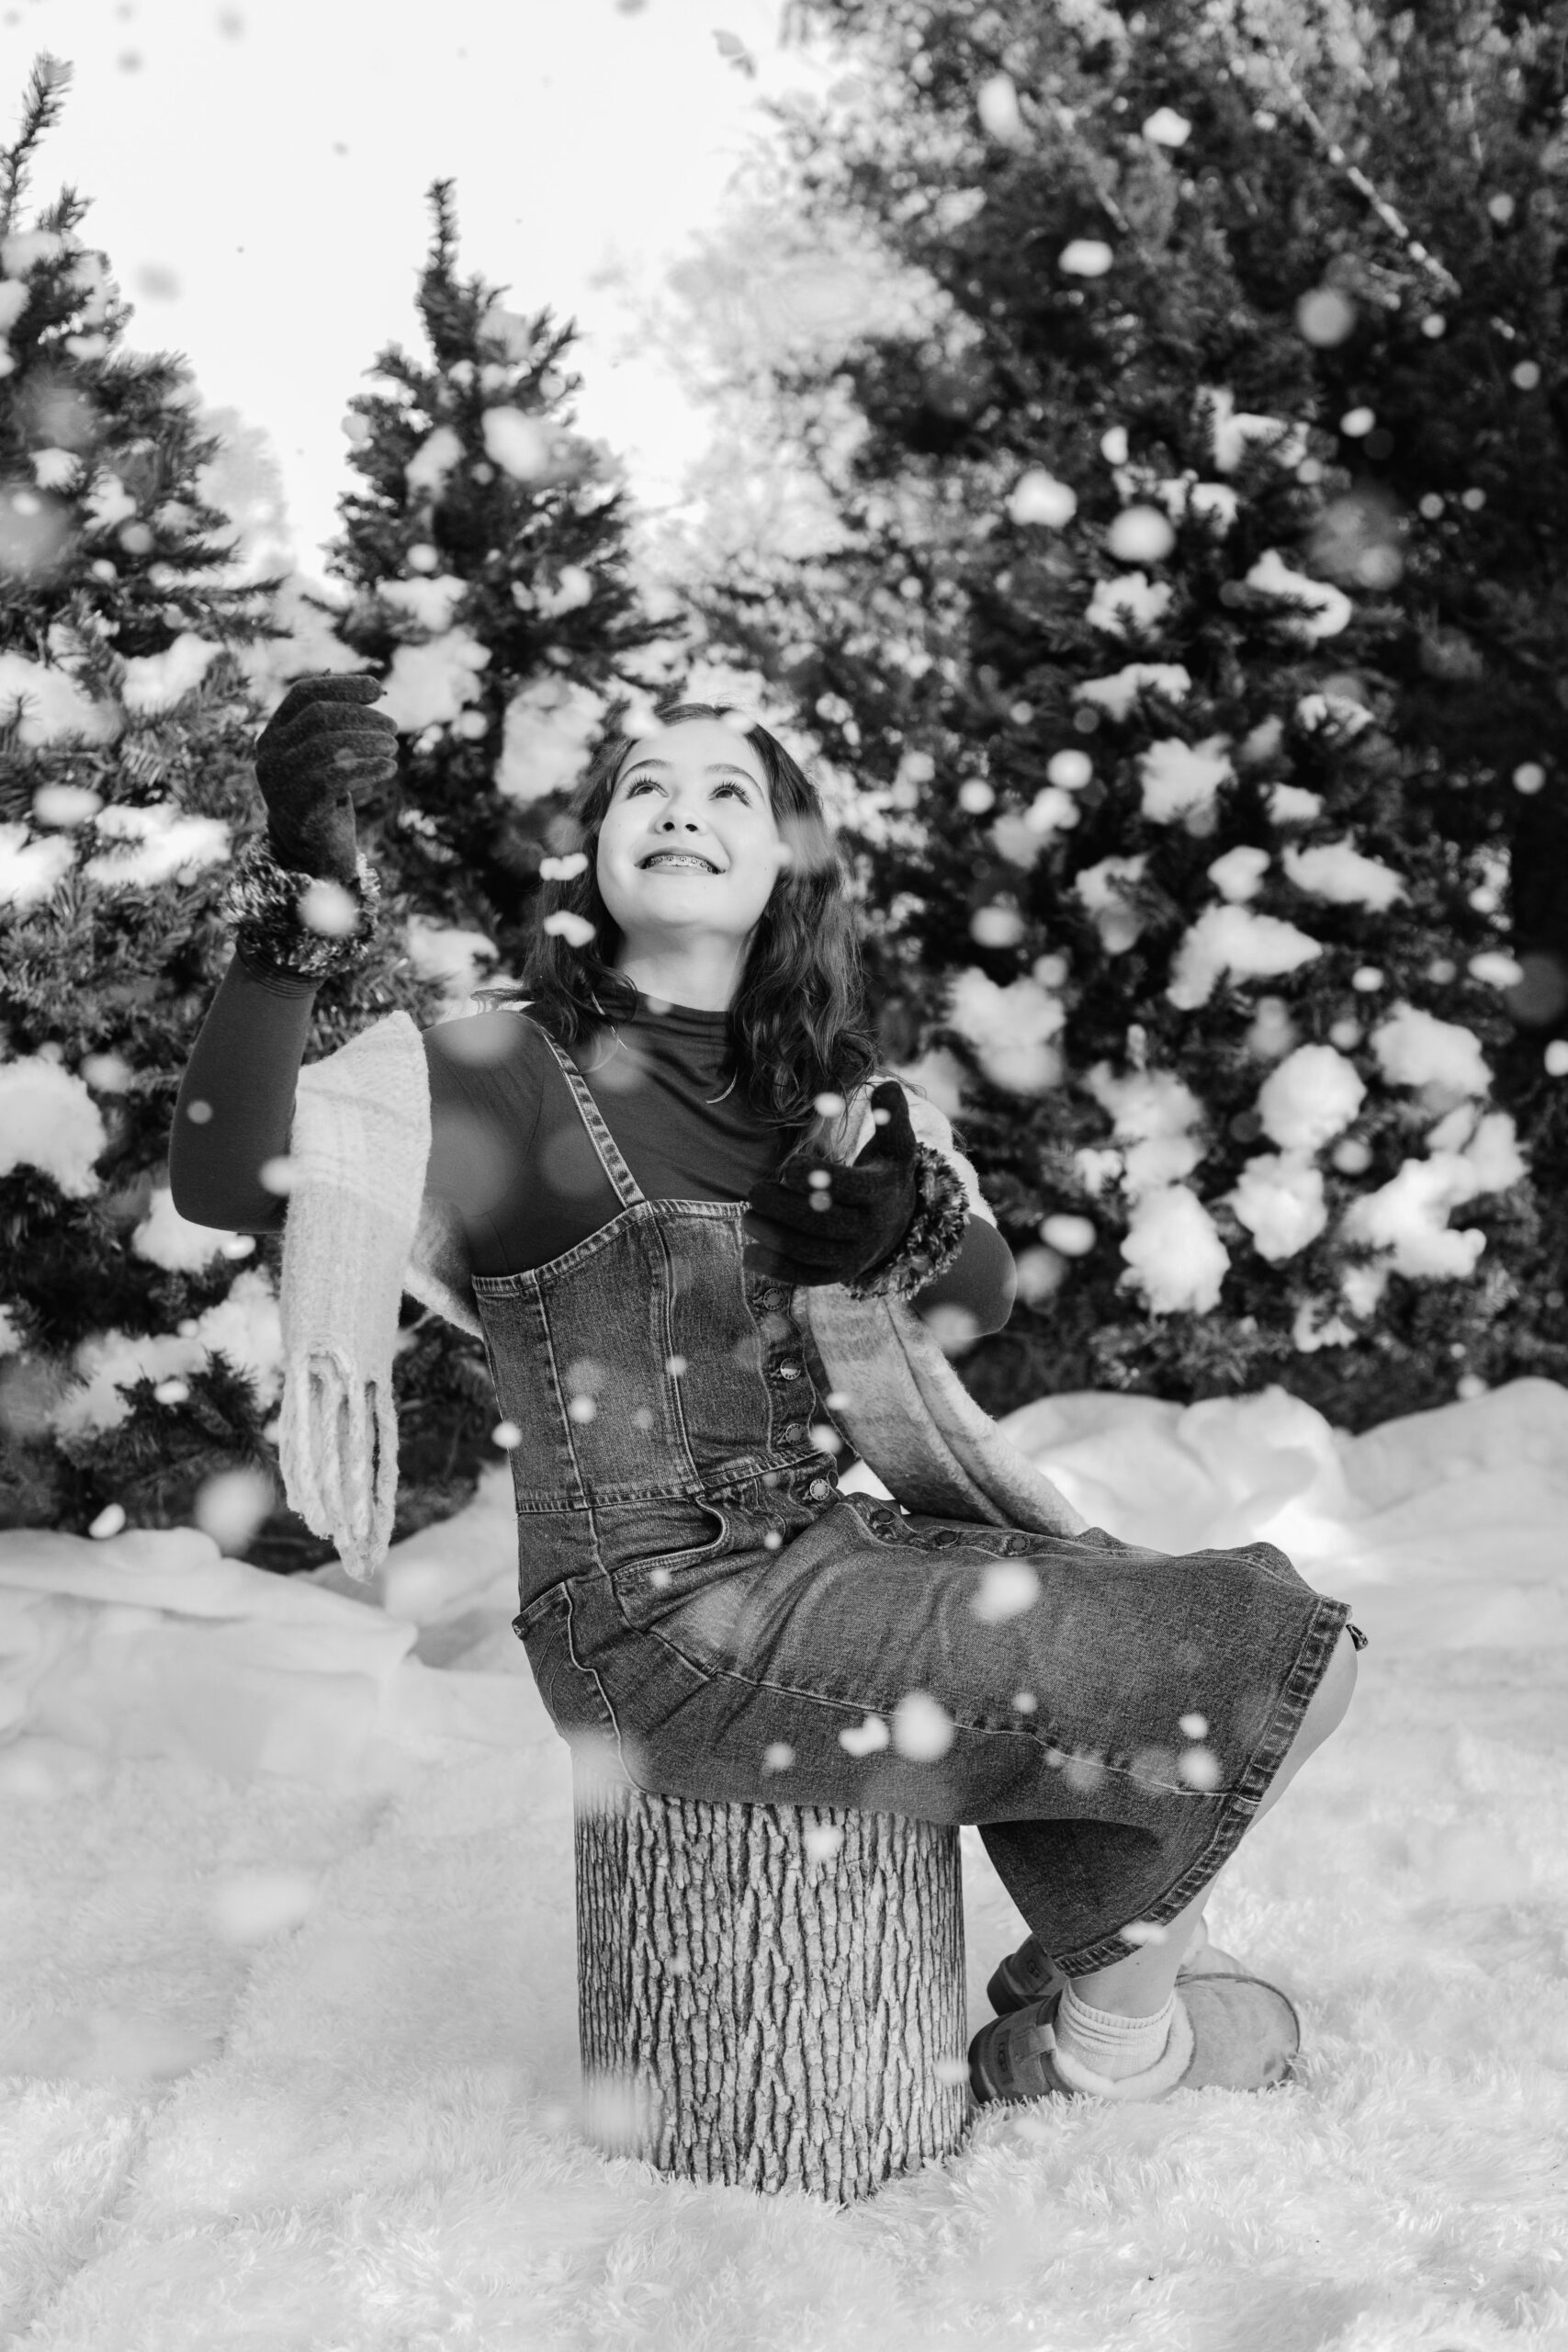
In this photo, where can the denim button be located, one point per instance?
(796, 1431)
(789, 1372)
(1015, 1544)
(946, 1536)
(818, 1489)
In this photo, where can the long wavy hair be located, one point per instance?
(797, 1025)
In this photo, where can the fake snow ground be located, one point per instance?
(287, 2022)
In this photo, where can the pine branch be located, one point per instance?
(444, 250)
(1308, 113)
(47, 85)
(1089, 162)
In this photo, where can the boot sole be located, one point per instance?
(988, 2087)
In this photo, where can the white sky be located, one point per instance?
(269, 159)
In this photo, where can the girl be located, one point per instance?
(632, 1161)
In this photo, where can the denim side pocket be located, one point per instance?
(571, 1693)
(646, 1562)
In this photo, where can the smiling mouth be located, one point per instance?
(681, 860)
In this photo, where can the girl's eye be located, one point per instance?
(727, 785)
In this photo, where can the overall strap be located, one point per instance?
(627, 1190)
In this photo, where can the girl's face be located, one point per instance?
(695, 789)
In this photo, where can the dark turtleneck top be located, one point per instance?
(508, 1147)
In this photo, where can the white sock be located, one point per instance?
(1116, 2047)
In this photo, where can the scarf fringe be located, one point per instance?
(338, 1450)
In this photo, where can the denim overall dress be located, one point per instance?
(704, 1607)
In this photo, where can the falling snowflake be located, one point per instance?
(996, 103)
(1085, 257)
(575, 929)
(1005, 1589)
(1140, 535)
(923, 1728)
(328, 908)
(1039, 497)
(231, 1505)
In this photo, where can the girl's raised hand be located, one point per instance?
(869, 1206)
(321, 750)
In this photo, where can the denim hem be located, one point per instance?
(1235, 1817)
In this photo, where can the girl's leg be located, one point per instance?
(1143, 1982)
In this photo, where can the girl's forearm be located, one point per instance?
(243, 1068)
(982, 1278)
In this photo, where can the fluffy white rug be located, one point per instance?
(291, 2062)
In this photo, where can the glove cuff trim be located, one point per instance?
(932, 1238)
(264, 902)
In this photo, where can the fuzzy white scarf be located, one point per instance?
(361, 1230)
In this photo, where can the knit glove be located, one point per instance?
(891, 1222)
(303, 899)
(320, 746)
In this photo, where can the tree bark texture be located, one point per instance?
(769, 1995)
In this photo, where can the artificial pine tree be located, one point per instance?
(138, 1352)
(1194, 630)
(487, 559)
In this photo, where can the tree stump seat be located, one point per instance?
(768, 1996)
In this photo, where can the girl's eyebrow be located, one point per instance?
(720, 767)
